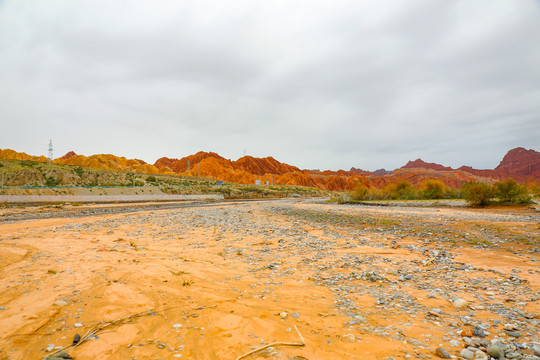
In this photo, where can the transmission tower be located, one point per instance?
(50, 150)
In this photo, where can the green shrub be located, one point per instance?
(51, 182)
(79, 170)
(151, 179)
(535, 190)
(510, 191)
(432, 189)
(400, 190)
(360, 192)
(477, 193)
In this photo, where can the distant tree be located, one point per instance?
(432, 189)
(477, 193)
(511, 192)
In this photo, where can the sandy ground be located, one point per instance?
(216, 282)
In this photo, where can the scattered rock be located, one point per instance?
(467, 354)
(496, 351)
(515, 334)
(460, 303)
(348, 338)
(60, 303)
(478, 331)
(442, 353)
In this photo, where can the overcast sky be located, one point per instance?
(316, 84)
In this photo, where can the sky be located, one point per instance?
(315, 84)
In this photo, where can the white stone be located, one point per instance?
(460, 303)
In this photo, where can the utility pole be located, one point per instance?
(50, 150)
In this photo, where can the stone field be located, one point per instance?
(282, 279)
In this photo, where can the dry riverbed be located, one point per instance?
(216, 281)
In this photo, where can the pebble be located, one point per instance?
(496, 351)
(78, 325)
(460, 303)
(283, 314)
(442, 353)
(60, 303)
(467, 354)
(348, 338)
(478, 331)
(176, 326)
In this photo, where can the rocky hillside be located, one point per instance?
(520, 164)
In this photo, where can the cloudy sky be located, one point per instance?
(316, 84)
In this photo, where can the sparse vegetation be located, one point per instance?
(477, 193)
(432, 189)
(511, 192)
(178, 273)
(360, 192)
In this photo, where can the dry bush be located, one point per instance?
(510, 191)
(477, 193)
(432, 189)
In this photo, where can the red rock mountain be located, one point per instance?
(522, 162)
(261, 166)
(68, 155)
(421, 164)
(181, 165)
(519, 164)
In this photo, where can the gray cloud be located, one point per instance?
(316, 84)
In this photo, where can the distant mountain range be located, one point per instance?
(519, 164)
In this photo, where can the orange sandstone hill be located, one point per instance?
(107, 162)
(520, 164)
(12, 154)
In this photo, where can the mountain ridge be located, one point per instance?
(519, 164)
